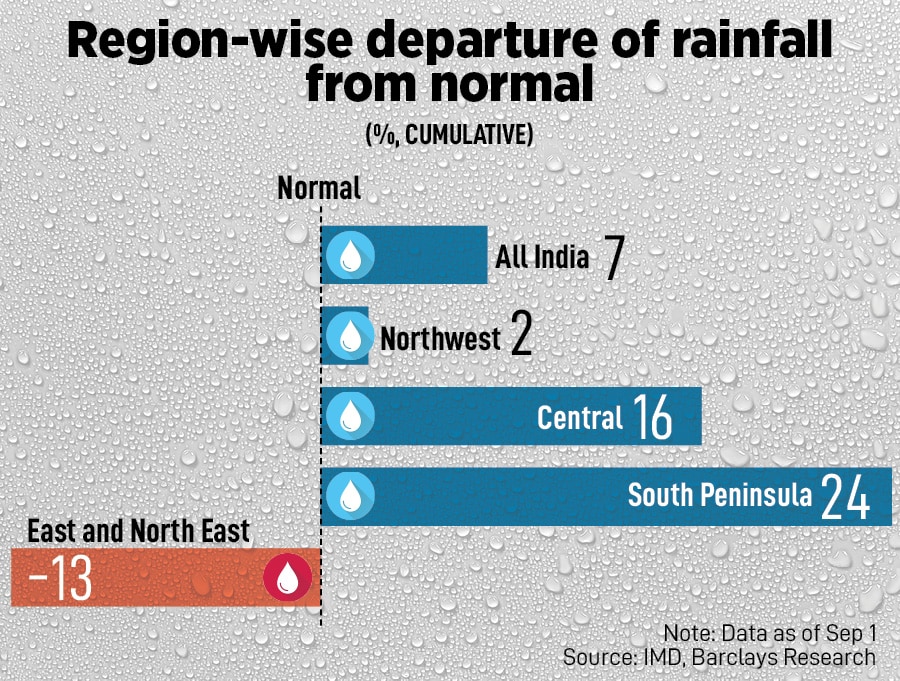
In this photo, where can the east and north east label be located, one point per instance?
(138, 531)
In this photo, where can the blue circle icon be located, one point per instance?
(350, 415)
(350, 495)
(350, 335)
(350, 255)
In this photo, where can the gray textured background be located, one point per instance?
(154, 304)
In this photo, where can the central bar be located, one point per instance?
(512, 416)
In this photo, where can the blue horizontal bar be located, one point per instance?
(515, 416)
(404, 254)
(606, 496)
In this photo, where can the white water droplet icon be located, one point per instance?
(287, 580)
(350, 258)
(350, 499)
(350, 418)
(350, 338)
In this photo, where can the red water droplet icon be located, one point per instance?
(287, 577)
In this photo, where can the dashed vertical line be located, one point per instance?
(321, 420)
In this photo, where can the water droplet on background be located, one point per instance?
(295, 232)
(283, 404)
(655, 83)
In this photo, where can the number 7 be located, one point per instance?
(615, 263)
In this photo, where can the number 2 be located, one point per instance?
(515, 318)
